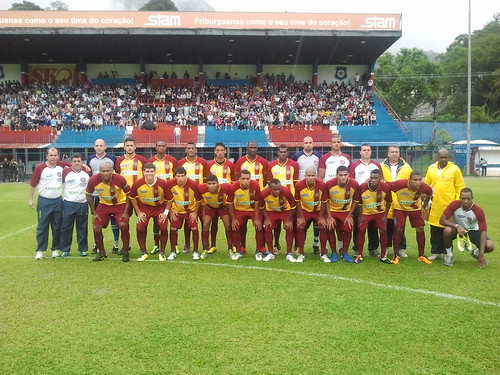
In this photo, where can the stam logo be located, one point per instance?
(376, 22)
(163, 20)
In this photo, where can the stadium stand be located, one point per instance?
(71, 139)
(26, 138)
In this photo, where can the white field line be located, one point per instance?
(312, 274)
(17, 232)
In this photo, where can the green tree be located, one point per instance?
(25, 5)
(159, 5)
(408, 80)
(485, 59)
(58, 5)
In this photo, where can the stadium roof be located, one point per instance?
(194, 37)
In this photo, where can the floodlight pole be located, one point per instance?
(469, 103)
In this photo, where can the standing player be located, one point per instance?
(75, 210)
(186, 201)
(412, 196)
(113, 190)
(468, 219)
(375, 199)
(446, 181)
(257, 166)
(308, 158)
(213, 206)
(279, 208)
(360, 171)
(149, 196)
(165, 166)
(343, 197)
(48, 178)
(311, 197)
(224, 170)
(94, 161)
(130, 165)
(395, 168)
(220, 166)
(328, 163)
(243, 202)
(287, 172)
(196, 170)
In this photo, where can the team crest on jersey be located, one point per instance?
(342, 162)
(83, 179)
(288, 172)
(186, 194)
(155, 191)
(379, 196)
(59, 174)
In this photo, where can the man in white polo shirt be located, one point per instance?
(47, 177)
(75, 208)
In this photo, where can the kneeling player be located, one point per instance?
(213, 206)
(468, 219)
(279, 208)
(147, 196)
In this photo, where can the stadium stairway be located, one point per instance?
(385, 132)
(113, 136)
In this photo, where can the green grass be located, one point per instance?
(73, 316)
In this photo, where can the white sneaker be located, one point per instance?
(196, 256)
(434, 257)
(300, 258)
(237, 256)
(268, 257)
(172, 256)
(448, 260)
(402, 253)
(290, 258)
(258, 257)
(55, 253)
(324, 258)
(39, 255)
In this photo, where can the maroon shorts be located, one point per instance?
(276, 217)
(314, 216)
(377, 219)
(152, 212)
(416, 219)
(106, 211)
(340, 223)
(216, 212)
(243, 216)
(181, 218)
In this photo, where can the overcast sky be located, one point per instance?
(427, 24)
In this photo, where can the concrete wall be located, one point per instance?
(303, 73)
(11, 72)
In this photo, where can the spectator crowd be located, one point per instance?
(280, 103)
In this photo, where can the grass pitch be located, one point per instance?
(217, 316)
